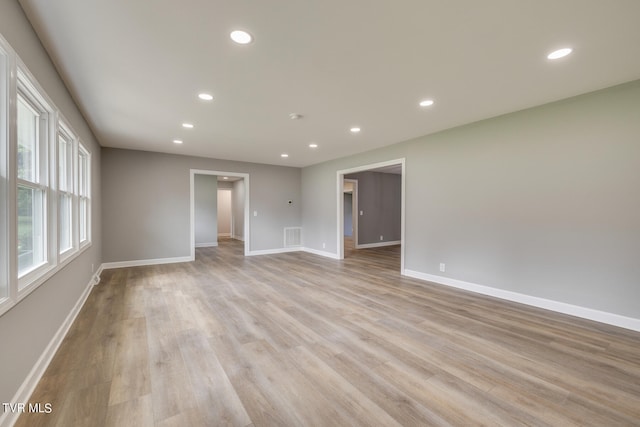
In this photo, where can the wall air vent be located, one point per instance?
(292, 237)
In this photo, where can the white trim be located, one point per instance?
(557, 306)
(320, 253)
(379, 244)
(355, 212)
(340, 204)
(247, 218)
(142, 262)
(224, 234)
(293, 249)
(274, 251)
(238, 238)
(29, 384)
(207, 245)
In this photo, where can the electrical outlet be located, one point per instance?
(381, 238)
(361, 213)
(255, 213)
(442, 267)
(324, 246)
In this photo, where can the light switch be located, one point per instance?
(255, 213)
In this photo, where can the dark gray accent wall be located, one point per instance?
(380, 201)
(146, 199)
(543, 202)
(27, 329)
(348, 214)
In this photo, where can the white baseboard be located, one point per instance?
(321, 253)
(238, 238)
(224, 234)
(274, 251)
(378, 244)
(294, 249)
(560, 307)
(207, 245)
(141, 262)
(29, 384)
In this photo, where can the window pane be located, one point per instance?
(66, 230)
(27, 141)
(83, 211)
(30, 229)
(65, 163)
(82, 174)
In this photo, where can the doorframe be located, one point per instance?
(354, 211)
(340, 204)
(245, 176)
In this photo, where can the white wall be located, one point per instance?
(224, 212)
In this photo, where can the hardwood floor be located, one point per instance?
(296, 339)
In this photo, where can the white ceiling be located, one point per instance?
(135, 67)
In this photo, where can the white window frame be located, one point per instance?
(64, 131)
(30, 91)
(16, 79)
(84, 193)
(6, 297)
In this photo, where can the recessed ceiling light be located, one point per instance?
(295, 116)
(426, 103)
(241, 37)
(560, 53)
(312, 145)
(355, 129)
(177, 141)
(205, 96)
(225, 177)
(284, 155)
(187, 125)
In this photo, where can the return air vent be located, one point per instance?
(292, 237)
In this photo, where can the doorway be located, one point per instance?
(396, 167)
(350, 206)
(237, 186)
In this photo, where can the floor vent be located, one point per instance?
(292, 237)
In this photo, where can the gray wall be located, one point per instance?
(140, 225)
(237, 208)
(348, 214)
(542, 202)
(205, 190)
(27, 328)
(380, 201)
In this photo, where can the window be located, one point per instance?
(4, 194)
(45, 188)
(84, 192)
(31, 166)
(66, 190)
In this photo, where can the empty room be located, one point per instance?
(319, 213)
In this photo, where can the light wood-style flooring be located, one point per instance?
(299, 340)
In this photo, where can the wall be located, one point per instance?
(542, 202)
(238, 209)
(205, 188)
(27, 329)
(380, 201)
(348, 214)
(224, 212)
(140, 225)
